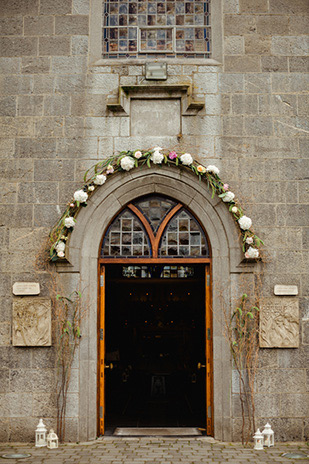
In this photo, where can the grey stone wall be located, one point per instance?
(55, 124)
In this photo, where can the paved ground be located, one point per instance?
(110, 450)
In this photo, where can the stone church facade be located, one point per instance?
(72, 94)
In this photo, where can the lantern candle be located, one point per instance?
(258, 440)
(40, 435)
(268, 434)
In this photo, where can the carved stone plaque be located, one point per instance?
(286, 290)
(279, 323)
(26, 288)
(32, 322)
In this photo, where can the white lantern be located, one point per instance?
(258, 440)
(269, 436)
(40, 435)
(52, 440)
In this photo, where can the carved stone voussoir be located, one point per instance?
(279, 323)
(31, 322)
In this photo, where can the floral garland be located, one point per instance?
(127, 160)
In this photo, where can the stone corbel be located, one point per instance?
(121, 105)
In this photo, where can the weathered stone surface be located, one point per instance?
(30, 105)
(288, 46)
(242, 64)
(11, 26)
(299, 64)
(305, 331)
(279, 323)
(31, 322)
(18, 46)
(57, 105)
(35, 65)
(156, 118)
(20, 404)
(295, 405)
(234, 45)
(274, 64)
(57, 7)
(256, 44)
(38, 192)
(253, 6)
(35, 147)
(8, 106)
(280, 381)
(72, 25)
(79, 45)
(38, 25)
(44, 405)
(54, 46)
(239, 25)
(19, 7)
(32, 380)
(297, 7)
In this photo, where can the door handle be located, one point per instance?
(200, 365)
(109, 366)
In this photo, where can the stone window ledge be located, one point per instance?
(171, 61)
(121, 106)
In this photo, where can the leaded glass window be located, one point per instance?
(155, 209)
(148, 28)
(183, 237)
(126, 237)
(155, 226)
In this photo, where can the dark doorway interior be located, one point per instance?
(155, 337)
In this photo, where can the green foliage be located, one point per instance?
(214, 183)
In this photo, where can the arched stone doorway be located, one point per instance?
(83, 269)
(155, 319)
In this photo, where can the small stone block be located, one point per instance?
(31, 322)
(26, 288)
(286, 290)
(279, 322)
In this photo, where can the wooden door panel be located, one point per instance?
(101, 337)
(209, 361)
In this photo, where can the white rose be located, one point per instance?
(186, 159)
(60, 254)
(81, 196)
(157, 157)
(69, 222)
(60, 246)
(245, 223)
(100, 179)
(234, 209)
(127, 163)
(91, 188)
(138, 154)
(228, 197)
(213, 169)
(249, 240)
(252, 253)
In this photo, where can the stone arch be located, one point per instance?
(82, 269)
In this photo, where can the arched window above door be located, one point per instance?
(156, 227)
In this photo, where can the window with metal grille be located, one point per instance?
(147, 28)
(155, 227)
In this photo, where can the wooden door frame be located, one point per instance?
(208, 331)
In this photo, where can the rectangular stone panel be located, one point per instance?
(155, 117)
(279, 322)
(31, 322)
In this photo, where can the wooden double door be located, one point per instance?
(155, 344)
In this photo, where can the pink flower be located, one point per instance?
(225, 187)
(138, 154)
(72, 205)
(172, 155)
(110, 169)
